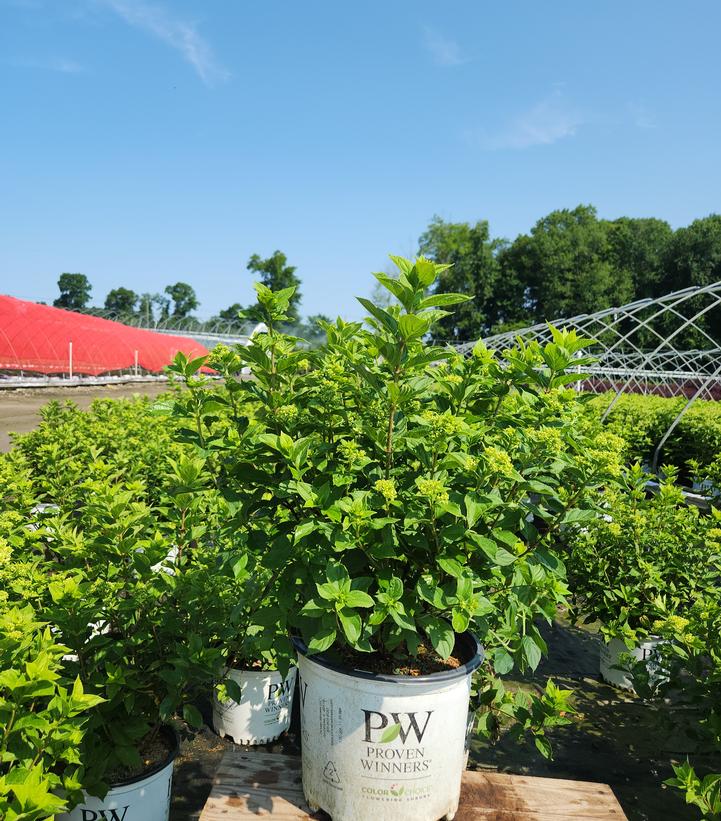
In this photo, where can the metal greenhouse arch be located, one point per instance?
(654, 346)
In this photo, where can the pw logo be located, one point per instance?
(279, 690)
(105, 815)
(380, 730)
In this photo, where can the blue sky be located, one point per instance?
(148, 141)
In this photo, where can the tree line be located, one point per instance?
(571, 262)
(178, 301)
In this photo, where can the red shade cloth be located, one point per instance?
(36, 338)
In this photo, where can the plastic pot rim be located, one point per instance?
(467, 643)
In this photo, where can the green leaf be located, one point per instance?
(442, 300)
(543, 745)
(451, 566)
(314, 608)
(322, 640)
(474, 510)
(336, 572)
(192, 715)
(304, 530)
(395, 588)
(400, 292)
(502, 661)
(531, 652)
(357, 598)
(382, 316)
(390, 733)
(233, 689)
(426, 271)
(413, 327)
(459, 620)
(400, 617)
(503, 557)
(577, 516)
(351, 623)
(441, 635)
(330, 591)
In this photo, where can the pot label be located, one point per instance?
(381, 750)
(394, 730)
(106, 815)
(263, 712)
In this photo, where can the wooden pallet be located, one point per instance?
(251, 785)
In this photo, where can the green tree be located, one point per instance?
(183, 297)
(163, 305)
(566, 265)
(694, 255)
(694, 258)
(121, 301)
(145, 308)
(310, 329)
(74, 292)
(474, 273)
(638, 250)
(275, 273)
(231, 313)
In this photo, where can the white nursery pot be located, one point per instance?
(357, 765)
(264, 711)
(143, 798)
(611, 657)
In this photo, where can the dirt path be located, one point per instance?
(19, 409)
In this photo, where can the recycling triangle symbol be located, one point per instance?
(331, 773)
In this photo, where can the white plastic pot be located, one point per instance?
(384, 747)
(264, 710)
(40, 510)
(615, 651)
(143, 798)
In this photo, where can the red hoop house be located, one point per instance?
(42, 339)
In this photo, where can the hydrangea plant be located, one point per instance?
(692, 658)
(42, 720)
(406, 493)
(646, 561)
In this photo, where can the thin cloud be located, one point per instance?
(179, 34)
(60, 65)
(548, 121)
(642, 117)
(443, 50)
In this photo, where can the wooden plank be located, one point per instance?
(256, 785)
(504, 797)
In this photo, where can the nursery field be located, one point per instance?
(20, 409)
(237, 560)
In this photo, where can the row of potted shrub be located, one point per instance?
(385, 503)
(694, 445)
(648, 571)
(648, 559)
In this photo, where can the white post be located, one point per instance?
(136, 363)
(70, 359)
